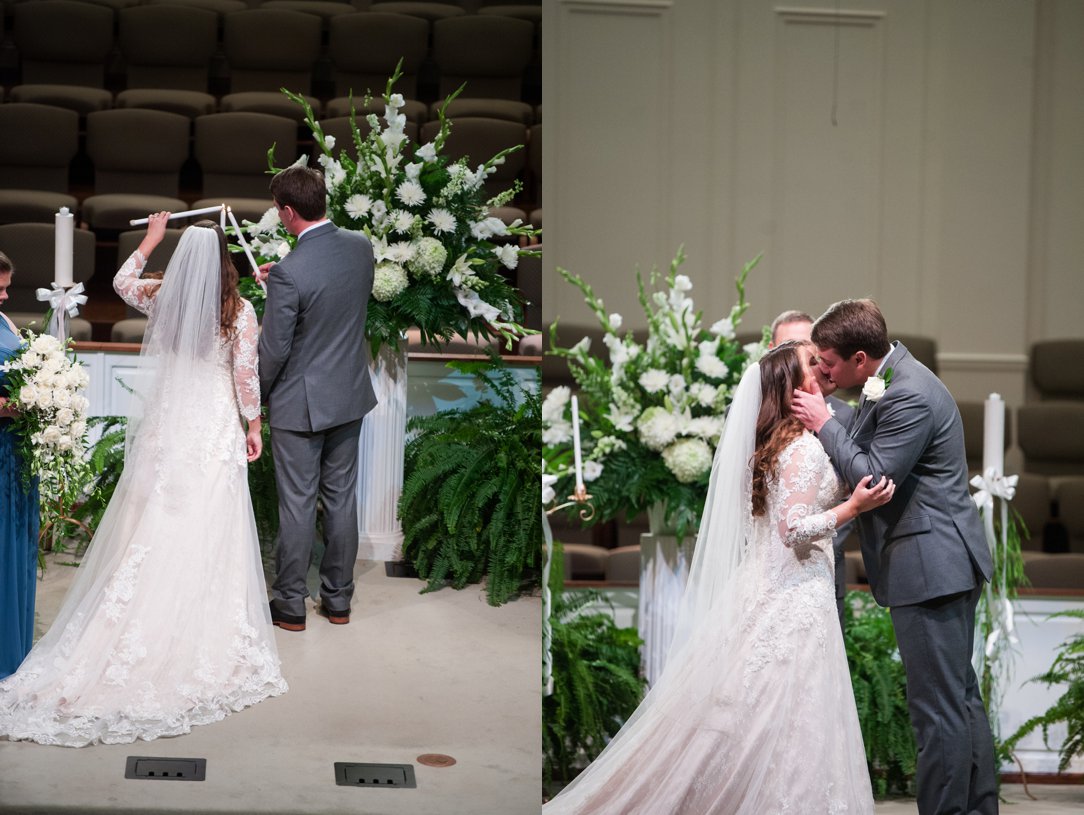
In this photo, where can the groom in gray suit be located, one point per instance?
(925, 551)
(314, 375)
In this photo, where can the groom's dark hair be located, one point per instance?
(302, 189)
(852, 325)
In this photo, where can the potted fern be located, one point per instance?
(596, 680)
(879, 684)
(1067, 669)
(470, 503)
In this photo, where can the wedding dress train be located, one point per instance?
(166, 625)
(757, 714)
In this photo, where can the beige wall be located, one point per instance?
(950, 187)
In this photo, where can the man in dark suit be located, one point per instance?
(314, 375)
(925, 551)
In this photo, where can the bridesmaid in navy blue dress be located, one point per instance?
(18, 519)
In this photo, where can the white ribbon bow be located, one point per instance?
(992, 485)
(62, 301)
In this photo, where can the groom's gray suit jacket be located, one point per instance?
(314, 370)
(928, 541)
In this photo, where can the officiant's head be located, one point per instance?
(790, 325)
(300, 197)
(851, 339)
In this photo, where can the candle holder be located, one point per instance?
(579, 496)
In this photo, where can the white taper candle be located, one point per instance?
(993, 440)
(222, 218)
(65, 235)
(576, 441)
(186, 214)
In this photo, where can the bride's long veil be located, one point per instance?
(169, 385)
(177, 361)
(710, 603)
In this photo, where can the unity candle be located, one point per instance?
(62, 260)
(576, 442)
(993, 441)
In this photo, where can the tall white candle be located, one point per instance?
(241, 238)
(576, 441)
(993, 440)
(222, 218)
(173, 215)
(65, 235)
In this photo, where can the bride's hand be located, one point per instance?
(866, 497)
(253, 442)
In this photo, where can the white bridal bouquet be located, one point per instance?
(652, 415)
(46, 391)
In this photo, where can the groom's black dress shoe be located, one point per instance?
(335, 617)
(288, 622)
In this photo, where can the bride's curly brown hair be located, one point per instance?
(781, 372)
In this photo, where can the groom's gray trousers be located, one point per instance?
(303, 460)
(955, 754)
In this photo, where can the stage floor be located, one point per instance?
(411, 674)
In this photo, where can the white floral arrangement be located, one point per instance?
(46, 391)
(439, 253)
(652, 414)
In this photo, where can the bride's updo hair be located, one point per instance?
(781, 373)
(231, 299)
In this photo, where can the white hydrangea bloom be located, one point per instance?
(688, 459)
(657, 428)
(389, 280)
(429, 257)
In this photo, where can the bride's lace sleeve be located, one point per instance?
(135, 292)
(800, 478)
(246, 362)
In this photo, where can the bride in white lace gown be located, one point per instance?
(166, 625)
(754, 712)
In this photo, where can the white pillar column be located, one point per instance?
(380, 460)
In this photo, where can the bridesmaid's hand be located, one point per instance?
(7, 412)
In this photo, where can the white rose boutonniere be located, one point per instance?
(876, 386)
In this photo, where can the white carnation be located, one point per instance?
(357, 206)
(553, 406)
(508, 255)
(705, 427)
(657, 428)
(688, 459)
(654, 380)
(442, 221)
(401, 221)
(557, 433)
(711, 366)
(388, 281)
(410, 193)
(400, 252)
